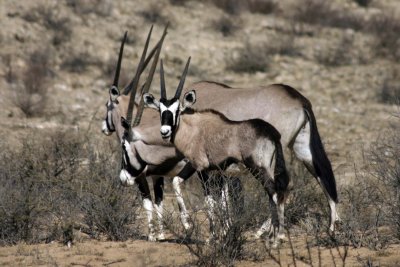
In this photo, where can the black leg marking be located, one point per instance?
(187, 171)
(159, 190)
(143, 187)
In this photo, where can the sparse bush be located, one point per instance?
(262, 6)
(178, 2)
(305, 199)
(232, 216)
(226, 26)
(31, 96)
(323, 13)
(339, 54)
(284, 45)
(154, 14)
(385, 157)
(102, 8)
(59, 183)
(79, 62)
(390, 91)
(363, 3)
(251, 58)
(52, 20)
(232, 7)
(386, 28)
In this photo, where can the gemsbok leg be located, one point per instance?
(158, 186)
(308, 148)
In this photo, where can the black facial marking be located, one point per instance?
(125, 123)
(167, 118)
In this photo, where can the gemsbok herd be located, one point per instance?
(211, 127)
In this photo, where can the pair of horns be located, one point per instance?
(181, 82)
(156, 48)
(132, 87)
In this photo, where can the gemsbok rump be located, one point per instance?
(280, 105)
(210, 141)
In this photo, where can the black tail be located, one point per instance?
(281, 175)
(321, 163)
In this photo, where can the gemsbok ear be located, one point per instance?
(188, 99)
(150, 101)
(114, 93)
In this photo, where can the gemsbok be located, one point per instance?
(280, 105)
(210, 141)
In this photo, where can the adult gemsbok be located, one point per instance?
(210, 141)
(280, 105)
(109, 126)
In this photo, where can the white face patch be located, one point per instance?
(173, 108)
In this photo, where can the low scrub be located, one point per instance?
(61, 183)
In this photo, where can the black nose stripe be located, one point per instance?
(167, 118)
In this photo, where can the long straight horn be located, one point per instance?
(146, 62)
(121, 51)
(149, 79)
(182, 81)
(136, 80)
(162, 81)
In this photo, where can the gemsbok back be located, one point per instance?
(210, 141)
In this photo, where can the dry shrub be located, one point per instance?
(252, 58)
(282, 45)
(262, 6)
(52, 20)
(323, 13)
(361, 215)
(60, 183)
(230, 222)
(339, 54)
(385, 157)
(178, 2)
(232, 7)
(363, 3)
(31, 96)
(102, 8)
(386, 28)
(154, 14)
(306, 201)
(226, 26)
(389, 93)
(80, 62)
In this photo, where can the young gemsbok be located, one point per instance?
(210, 141)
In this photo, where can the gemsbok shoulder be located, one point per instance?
(210, 141)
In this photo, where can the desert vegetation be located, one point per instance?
(59, 174)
